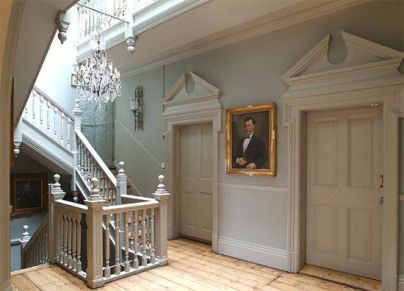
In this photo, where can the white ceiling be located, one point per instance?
(207, 26)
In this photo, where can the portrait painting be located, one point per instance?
(28, 193)
(250, 140)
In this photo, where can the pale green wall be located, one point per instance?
(248, 72)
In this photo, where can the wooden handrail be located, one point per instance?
(129, 207)
(59, 107)
(72, 206)
(96, 157)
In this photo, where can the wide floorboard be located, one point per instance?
(192, 266)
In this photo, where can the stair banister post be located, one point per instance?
(77, 126)
(55, 193)
(94, 237)
(122, 181)
(162, 196)
(77, 115)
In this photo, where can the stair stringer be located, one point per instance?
(36, 140)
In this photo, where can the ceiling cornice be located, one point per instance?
(290, 16)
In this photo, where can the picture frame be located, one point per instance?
(28, 194)
(251, 140)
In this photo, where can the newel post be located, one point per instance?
(55, 193)
(94, 237)
(122, 181)
(162, 196)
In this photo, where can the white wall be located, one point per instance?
(248, 72)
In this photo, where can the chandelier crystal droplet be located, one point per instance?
(97, 80)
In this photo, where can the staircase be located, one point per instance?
(113, 234)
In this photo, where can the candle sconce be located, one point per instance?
(136, 106)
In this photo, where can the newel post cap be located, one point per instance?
(121, 164)
(161, 192)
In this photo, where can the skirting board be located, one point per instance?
(263, 255)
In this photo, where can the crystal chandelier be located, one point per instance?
(96, 79)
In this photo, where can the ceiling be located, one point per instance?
(206, 26)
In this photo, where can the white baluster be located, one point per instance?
(126, 242)
(69, 240)
(33, 107)
(48, 125)
(62, 236)
(74, 242)
(78, 248)
(144, 259)
(62, 117)
(117, 244)
(55, 113)
(135, 235)
(68, 133)
(152, 250)
(66, 238)
(107, 255)
(41, 100)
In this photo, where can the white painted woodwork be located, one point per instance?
(35, 251)
(351, 85)
(344, 161)
(195, 182)
(191, 100)
(137, 227)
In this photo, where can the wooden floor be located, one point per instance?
(192, 266)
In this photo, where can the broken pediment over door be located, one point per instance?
(362, 55)
(191, 90)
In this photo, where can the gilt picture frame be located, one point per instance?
(251, 140)
(28, 194)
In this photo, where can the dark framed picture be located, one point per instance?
(251, 140)
(28, 193)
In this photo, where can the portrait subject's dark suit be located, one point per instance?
(256, 153)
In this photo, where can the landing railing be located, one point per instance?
(120, 240)
(50, 118)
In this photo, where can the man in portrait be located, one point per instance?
(250, 152)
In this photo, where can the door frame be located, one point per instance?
(177, 176)
(390, 94)
(191, 108)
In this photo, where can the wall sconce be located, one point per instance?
(136, 106)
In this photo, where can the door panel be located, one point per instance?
(195, 172)
(344, 162)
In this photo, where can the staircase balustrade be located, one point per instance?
(138, 227)
(50, 118)
(35, 251)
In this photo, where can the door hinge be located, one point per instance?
(381, 200)
(381, 181)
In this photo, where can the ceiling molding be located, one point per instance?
(298, 14)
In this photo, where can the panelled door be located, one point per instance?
(344, 204)
(195, 172)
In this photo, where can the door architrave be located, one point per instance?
(181, 108)
(344, 88)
